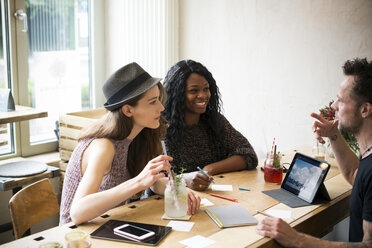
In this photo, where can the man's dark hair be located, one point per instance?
(361, 69)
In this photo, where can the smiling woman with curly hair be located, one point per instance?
(198, 134)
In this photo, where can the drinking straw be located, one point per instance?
(274, 156)
(170, 178)
(272, 147)
(317, 147)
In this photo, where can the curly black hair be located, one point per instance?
(175, 84)
(361, 69)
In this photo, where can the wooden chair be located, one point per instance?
(31, 205)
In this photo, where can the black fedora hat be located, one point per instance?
(125, 84)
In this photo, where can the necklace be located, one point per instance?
(365, 152)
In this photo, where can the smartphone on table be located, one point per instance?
(134, 232)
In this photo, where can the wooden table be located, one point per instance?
(11, 183)
(22, 113)
(51, 159)
(315, 219)
(16, 183)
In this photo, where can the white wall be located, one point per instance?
(142, 31)
(275, 61)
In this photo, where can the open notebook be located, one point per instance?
(229, 216)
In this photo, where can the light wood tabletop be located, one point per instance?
(314, 219)
(22, 113)
(51, 159)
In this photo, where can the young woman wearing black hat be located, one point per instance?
(198, 134)
(114, 159)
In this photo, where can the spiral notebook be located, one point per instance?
(230, 216)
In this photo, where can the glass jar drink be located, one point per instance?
(175, 199)
(273, 168)
(76, 235)
(80, 243)
(77, 238)
(51, 245)
(319, 151)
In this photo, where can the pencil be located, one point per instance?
(242, 188)
(223, 197)
(263, 213)
(205, 174)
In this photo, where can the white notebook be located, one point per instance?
(229, 216)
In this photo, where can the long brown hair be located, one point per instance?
(115, 125)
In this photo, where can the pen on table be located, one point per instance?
(263, 213)
(242, 188)
(224, 197)
(205, 174)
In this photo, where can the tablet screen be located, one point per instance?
(305, 176)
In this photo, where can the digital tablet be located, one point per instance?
(106, 231)
(304, 177)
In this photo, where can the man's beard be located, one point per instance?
(354, 127)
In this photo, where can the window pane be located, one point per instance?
(6, 130)
(58, 62)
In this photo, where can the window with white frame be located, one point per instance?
(57, 62)
(45, 61)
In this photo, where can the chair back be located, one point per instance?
(31, 205)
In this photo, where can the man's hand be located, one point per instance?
(324, 128)
(279, 230)
(197, 181)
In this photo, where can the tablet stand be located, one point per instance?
(321, 195)
(294, 201)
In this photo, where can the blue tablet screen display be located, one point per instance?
(304, 178)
